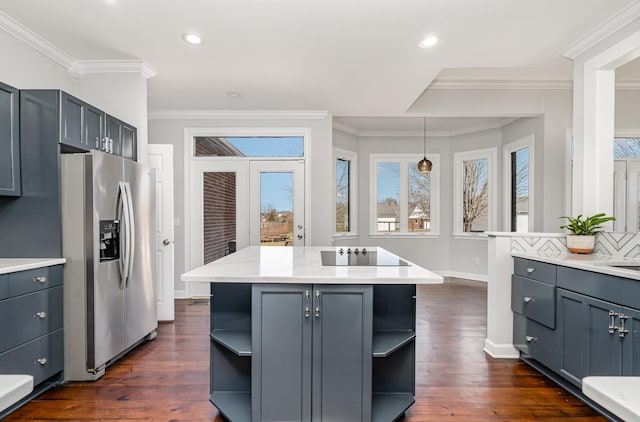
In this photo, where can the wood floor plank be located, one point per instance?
(167, 379)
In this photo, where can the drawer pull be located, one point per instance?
(42, 361)
(528, 299)
(530, 270)
(41, 314)
(41, 279)
(612, 322)
(530, 338)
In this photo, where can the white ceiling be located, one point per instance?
(351, 57)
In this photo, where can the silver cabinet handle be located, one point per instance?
(42, 361)
(317, 313)
(622, 332)
(307, 309)
(612, 322)
(528, 299)
(306, 312)
(41, 314)
(41, 279)
(530, 270)
(530, 338)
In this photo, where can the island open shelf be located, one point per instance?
(311, 346)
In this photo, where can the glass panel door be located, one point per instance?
(276, 203)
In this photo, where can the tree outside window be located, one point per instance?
(474, 191)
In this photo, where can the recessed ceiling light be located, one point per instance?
(429, 41)
(234, 94)
(192, 38)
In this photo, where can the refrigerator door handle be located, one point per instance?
(132, 233)
(123, 211)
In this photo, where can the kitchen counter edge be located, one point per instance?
(12, 265)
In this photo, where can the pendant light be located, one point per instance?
(424, 165)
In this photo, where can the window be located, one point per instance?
(345, 171)
(474, 191)
(403, 200)
(626, 148)
(518, 185)
(249, 146)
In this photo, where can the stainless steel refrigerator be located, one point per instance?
(108, 239)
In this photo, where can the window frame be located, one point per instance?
(405, 160)
(490, 154)
(352, 157)
(508, 149)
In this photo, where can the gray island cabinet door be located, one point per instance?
(9, 142)
(281, 352)
(631, 343)
(588, 346)
(342, 353)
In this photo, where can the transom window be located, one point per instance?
(249, 146)
(403, 200)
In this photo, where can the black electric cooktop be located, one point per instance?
(360, 258)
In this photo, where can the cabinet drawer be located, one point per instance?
(536, 340)
(540, 271)
(601, 286)
(4, 286)
(29, 281)
(29, 316)
(41, 358)
(630, 293)
(534, 300)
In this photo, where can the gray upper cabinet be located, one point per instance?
(311, 360)
(93, 127)
(84, 127)
(72, 111)
(9, 142)
(123, 137)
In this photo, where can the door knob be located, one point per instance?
(166, 242)
(300, 237)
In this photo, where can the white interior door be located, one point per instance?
(218, 214)
(160, 157)
(276, 203)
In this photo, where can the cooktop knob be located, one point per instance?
(364, 251)
(349, 251)
(341, 251)
(356, 251)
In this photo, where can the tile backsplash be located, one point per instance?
(607, 243)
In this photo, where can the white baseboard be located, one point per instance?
(179, 294)
(467, 276)
(500, 351)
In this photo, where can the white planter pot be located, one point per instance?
(580, 244)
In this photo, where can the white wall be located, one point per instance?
(320, 163)
(123, 95)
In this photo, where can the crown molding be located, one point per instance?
(83, 67)
(417, 134)
(236, 114)
(470, 84)
(35, 41)
(608, 27)
(344, 128)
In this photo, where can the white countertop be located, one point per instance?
(619, 395)
(590, 262)
(13, 388)
(302, 264)
(12, 265)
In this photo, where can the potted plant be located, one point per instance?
(583, 231)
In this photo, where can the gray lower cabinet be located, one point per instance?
(31, 339)
(303, 352)
(590, 343)
(631, 342)
(9, 142)
(312, 349)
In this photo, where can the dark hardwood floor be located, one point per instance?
(167, 379)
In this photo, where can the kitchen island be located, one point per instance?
(293, 339)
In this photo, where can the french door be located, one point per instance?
(237, 203)
(276, 203)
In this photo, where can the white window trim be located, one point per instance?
(490, 154)
(352, 157)
(508, 149)
(404, 160)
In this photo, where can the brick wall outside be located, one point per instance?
(219, 203)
